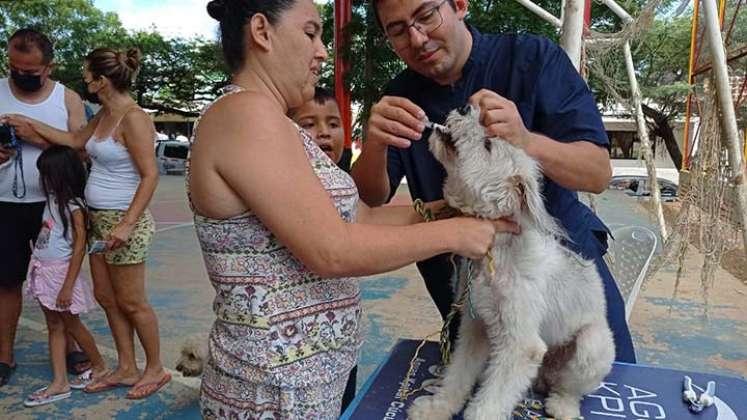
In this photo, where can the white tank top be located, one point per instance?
(114, 177)
(51, 111)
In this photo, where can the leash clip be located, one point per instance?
(696, 403)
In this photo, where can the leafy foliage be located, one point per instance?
(177, 75)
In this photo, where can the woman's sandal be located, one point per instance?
(102, 384)
(148, 389)
(40, 397)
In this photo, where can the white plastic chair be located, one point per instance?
(630, 255)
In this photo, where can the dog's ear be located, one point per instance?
(528, 189)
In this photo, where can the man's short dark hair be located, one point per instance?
(378, 19)
(27, 38)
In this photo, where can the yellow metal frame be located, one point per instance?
(690, 81)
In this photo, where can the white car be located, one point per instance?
(171, 156)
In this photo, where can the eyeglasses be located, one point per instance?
(425, 22)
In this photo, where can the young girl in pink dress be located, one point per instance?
(54, 272)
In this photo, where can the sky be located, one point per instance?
(172, 18)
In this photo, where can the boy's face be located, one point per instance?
(324, 124)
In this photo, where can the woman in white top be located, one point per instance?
(123, 177)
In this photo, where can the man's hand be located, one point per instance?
(395, 121)
(500, 118)
(25, 130)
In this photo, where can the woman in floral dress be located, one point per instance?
(282, 230)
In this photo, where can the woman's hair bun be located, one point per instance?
(133, 58)
(217, 9)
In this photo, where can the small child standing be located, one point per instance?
(54, 272)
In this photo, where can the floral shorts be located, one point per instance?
(135, 250)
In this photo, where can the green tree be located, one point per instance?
(177, 75)
(72, 25)
(373, 63)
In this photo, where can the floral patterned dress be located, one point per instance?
(284, 340)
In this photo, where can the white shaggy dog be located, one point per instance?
(542, 316)
(193, 355)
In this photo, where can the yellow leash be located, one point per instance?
(444, 340)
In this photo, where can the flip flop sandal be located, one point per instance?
(76, 358)
(6, 371)
(34, 400)
(133, 394)
(101, 385)
(83, 380)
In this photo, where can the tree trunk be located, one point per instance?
(664, 130)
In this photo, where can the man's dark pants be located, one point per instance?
(437, 272)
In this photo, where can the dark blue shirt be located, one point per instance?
(551, 97)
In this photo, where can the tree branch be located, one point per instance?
(168, 109)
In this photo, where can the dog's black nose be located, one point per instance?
(465, 109)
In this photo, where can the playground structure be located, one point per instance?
(580, 42)
(700, 70)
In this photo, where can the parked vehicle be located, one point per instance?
(171, 156)
(637, 186)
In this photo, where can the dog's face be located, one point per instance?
(190, 361)
(487, 177)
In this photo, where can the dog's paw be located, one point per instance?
(481, 412)
(429, 408)
(562, 407)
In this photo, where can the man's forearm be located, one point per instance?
(370, 175)
(578, 166)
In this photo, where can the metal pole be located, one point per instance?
(572, 32)
(726, 108)
(343, 15)
(539, 11)
(648, 155)
(690, 78)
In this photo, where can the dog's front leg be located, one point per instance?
(516, 352)
(467, 361)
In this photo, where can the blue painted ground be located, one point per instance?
(395, 305)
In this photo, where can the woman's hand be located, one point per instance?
(475, 236)
(65, 297)
(25, 129)
(120, 234)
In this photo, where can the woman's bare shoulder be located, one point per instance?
(244, 115)
(246, 106)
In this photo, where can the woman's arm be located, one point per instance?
(64, 297)
(261, 158)
(139, 134)
(76, 140)
(394, 215)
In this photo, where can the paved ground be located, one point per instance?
(395, 305)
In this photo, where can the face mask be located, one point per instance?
(26, 82)
(88, 96)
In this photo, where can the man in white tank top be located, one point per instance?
(29, 92)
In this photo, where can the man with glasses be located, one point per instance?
(529, 94)
(29, 92)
